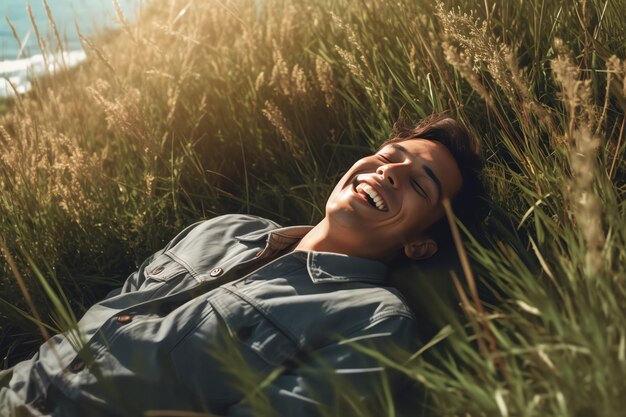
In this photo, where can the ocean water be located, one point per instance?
(20, 61)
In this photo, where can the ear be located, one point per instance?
(421, 249)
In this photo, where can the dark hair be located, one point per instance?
(467, 204)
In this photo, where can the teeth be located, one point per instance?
(378, 200)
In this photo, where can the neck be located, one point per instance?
(325, 238)
(321, 239)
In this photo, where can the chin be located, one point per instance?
(342, 217)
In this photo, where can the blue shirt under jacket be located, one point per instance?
(201, 327)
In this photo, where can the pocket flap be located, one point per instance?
(251, 328)
(163, 268)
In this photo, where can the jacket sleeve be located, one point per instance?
(358, 375)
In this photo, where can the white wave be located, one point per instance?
(20, 72)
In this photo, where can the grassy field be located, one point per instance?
(209, 107)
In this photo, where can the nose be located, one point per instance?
(391, 173)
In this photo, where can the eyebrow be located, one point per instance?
(426, 168)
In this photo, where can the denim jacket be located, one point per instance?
(193, 329)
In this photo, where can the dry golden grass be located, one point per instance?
(202, 108)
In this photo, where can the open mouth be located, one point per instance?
(372, 197)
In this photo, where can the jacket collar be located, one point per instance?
(336, 267)
(321, 266)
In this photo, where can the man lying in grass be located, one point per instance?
(238, 316)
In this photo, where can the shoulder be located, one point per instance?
(220, 230)
(393, 316)
(389, 318)
(391, 303)
(362, 305)
(234, 225)
(241, 223)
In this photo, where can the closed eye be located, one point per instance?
(419, 189)
(416, 185)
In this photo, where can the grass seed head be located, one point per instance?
(278, 120)
(325, 79)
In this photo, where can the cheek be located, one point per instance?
(416, 214)
(340, 185)
(434, 215)
(360, 167)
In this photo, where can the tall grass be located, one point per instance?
(202, 108)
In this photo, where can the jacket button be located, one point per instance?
(124, 318)
(216, 272)
(76, 366)
(157, 270)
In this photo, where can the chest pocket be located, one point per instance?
(163, 268)
(257, 336)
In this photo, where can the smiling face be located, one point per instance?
(388, 200)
